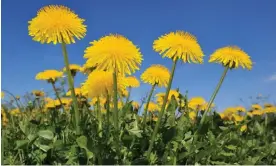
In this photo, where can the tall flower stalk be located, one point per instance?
(147, 105)
(177, 45)
(71, 87)
(57, 94)
(230, 57)
(160, 115)
(58, 24)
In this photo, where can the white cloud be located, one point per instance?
(272, 77)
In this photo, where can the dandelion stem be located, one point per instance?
(99, 117)
(128, 96)
(160, 115)
(115, 114)
(56, 92)
(147, 106)
(71, 87)
(213, 97)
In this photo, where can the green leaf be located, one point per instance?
(21, 143)
(82, 142)
(231, 147)
(136, 132)
(227, 154)
(47, 134)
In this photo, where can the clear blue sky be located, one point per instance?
(250, 24)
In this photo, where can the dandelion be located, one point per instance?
(49, 75)
(177, 45)
(58, 24)
(135, 105)
(74, 68)
(230, 57)
(114, 53)
(160, 97)
(17, 97)
(270, 109)
(152, 107)
(267, 105)
(256, 107)
(38, 93)
(155, 75)
(192, 115)
(100, 83)
(77, 92)
(243, 128)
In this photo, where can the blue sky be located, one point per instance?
(249, 24)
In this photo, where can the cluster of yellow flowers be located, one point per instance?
(4, 117)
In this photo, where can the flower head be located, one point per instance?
(135, 104)
(179, 45)
(114, 52)
(192, 115)
(74, 68)
(99, 83)
(56, 23)
(232, 57)
(152, 107)
(256, 107)
(132, 82)
(49, 75)
(156, 74)
(243, 128)
(160, 96)
(38, 93)
(77, 92)
(270, 109)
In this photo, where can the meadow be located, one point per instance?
(98, 122)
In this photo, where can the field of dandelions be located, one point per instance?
(98, 122)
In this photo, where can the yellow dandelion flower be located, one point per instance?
(160, 96)
(192, 115)
(2, 95)
(95, 100)
(266, 105)
(255, 112)
(49, 75)
(196, 102)
(99, 83)
(156, 74)
(179, 45)
(15, 112)
(132, 82)
(155, 119)
(124, 92)
(237, 118)
(38, 93)
(114, 52)
(232, 57)
(243, 128)
(65, 101)
(240, 109)
(51, 104)
(56, 23)
(73, 68)
(135, 104)
(17, 97)
(152, 107)
(120, 105)
(270, 109)
(256, 107)
(77, 92)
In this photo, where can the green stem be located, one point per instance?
(213, 97)
(71, 87)
(99, 117)
(147, 106)
(128, 96)
(56, 92)
(160, 115)
(107, 112)
(115, 111)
